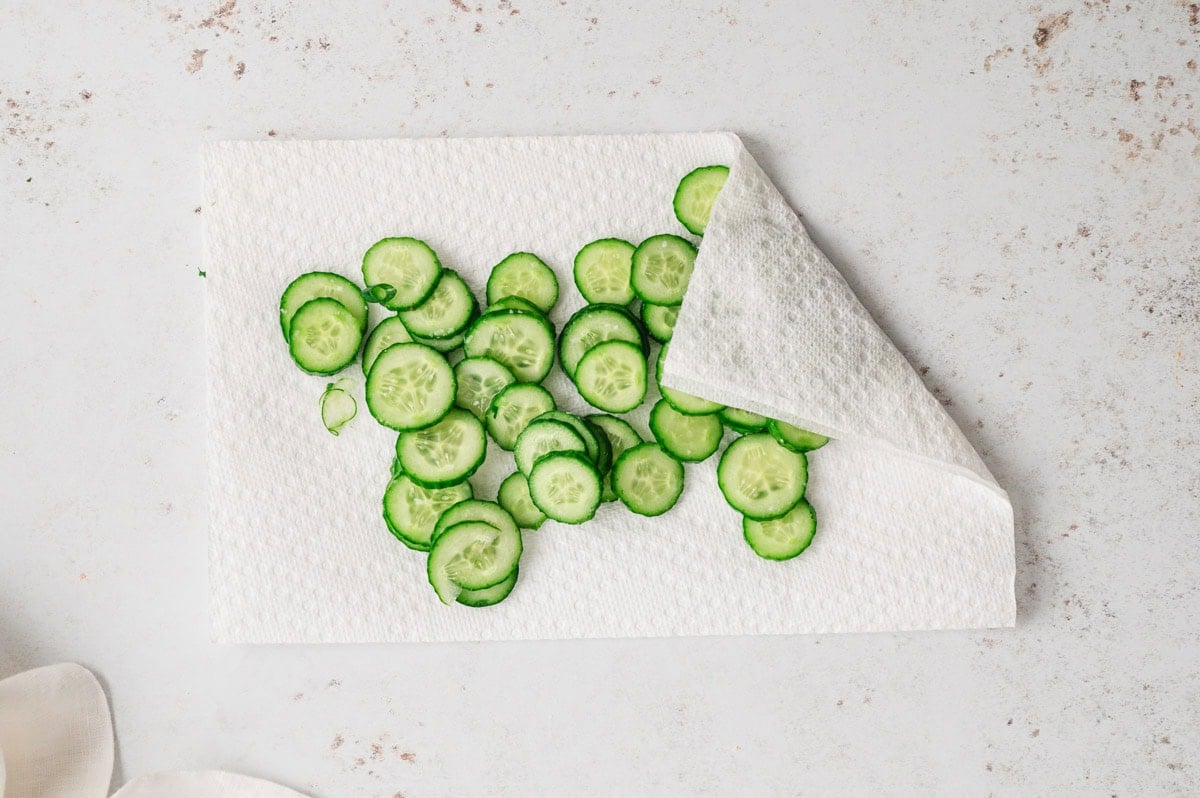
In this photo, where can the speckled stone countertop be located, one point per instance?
(1013, 190)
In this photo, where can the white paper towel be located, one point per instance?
(913, 532)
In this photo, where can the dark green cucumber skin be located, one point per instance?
(662, 339)
(784, 557)
(626, 501)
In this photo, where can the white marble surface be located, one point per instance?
(1012, 189)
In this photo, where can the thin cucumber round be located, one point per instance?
(513, 303)
(662, 267)
(647, 479)
(687, 438)
(489, 596)
(794, 438)
(513, 408)
(587, 433)
(604, 456)
(444, 453)
(621, 436)
(474, 510)
(523, 342)
(411, 511)
(612, 376)
(782, 538)
(760, 478)
(317, 285)
(407, 265)
(443, 345)
(479, 380)
(524, 275)
(542, 437)
(683, 402)
(387, 332)
(602, 271)
(696, 194)
(338, 407)
(410, 386)
(592, 325)
(325, 336)
(659, 321)
(471, 556)
(742, 421)
(445, 312)
(514, 497)
(566, 487)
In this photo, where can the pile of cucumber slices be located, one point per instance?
(447, 374)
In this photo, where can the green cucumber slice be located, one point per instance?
(592, 325)
(542, 437)
(514, 303)
(325, 336)
(443, 345)
(696, 194)
(742, 420)
(338, 407)
(479, 380)
(444, 453)
(410, 386)
(687, 438)
(408, 265)
(586, 432)
(794, 438)
(760, 478)
(412, 511)
(602, 271)
(523, 342)
(662, 267)
(566, 487)
(474, 510)
(317, 285)
(647, 479)
(513, 408)
(612, 376)
(514, 497)
(387, 332)
(604, 456)
(471, 556)
(659, 321)
(621, 436)
(683, 402)
(525, 275)
(782, 538)
(445, 312)
(489, 596)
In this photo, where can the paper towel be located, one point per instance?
(913, 533)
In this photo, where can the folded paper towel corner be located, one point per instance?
(914, 533)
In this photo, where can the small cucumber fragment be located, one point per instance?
(514, 497)
(696, 194)
(782, 538)
(742, 420)
(659, 321)
(338, 407)
(794, 438)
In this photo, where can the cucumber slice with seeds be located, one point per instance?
(514, 497)
(742, 420)
(647, 479)
(471, 556)
(479, 380)
(489, 596)
(566, 487)
(621, 436)
(587, 433)
(683, 402)
(687, 438)
(513, 408)
(445, 312)
(782, 538)
(444, 453)
(696, 194)
(592, 325)
(407, 265)
(410, 386)
(760, 478)
(542, 437)
(794, 438)
(612, 376)
(602, 271)
(474, 510)
(523, 342)
(659, 321)
(387, 332)
(325, 336)
(524, 275)
(411, 511)
(317, 285)
(662, 267)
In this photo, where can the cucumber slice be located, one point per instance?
(566, 487)
(683, 402)
(525, 275)
(587, 433)
(604, 457)
(620, 437)
(411, 511)
(443, 345)
(474, 510)
(338, 407)
(479, 380)
(446, 452)
(513, 408)
(742, 420)
(612, 376)
(542, 437)
(760, 478)
(595, 324)
(489, 595)
(523, 342)
(687, 438)
(514, 497)
(325, 336)
(513, 303)
(472, 556)
(387, 332)
(696, 194)
(410, 386)
(782, 538)
(317, 285)
(647, 479)
(444, 313)
(408, 265)
(662, 267)
(794, 438)
(659, 321)
(602, 271)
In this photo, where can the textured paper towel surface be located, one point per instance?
(913, 534)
